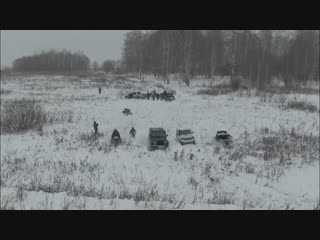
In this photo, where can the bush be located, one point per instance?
(22, 115)
(89, 137)
(302, 105)
(284, 146)
(92, 140)
(213, 91)
(3, 91)
(59, 117)
(236, 82)
(221, 199)
(209, 91)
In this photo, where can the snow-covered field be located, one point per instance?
(58, 168)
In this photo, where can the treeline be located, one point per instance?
(257, 56)
(112, 66)
(108, 66)
(52, 61)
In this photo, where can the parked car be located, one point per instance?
(224, 137)
(127, 111)
(185, 136)
(136, 95)
(158, 139)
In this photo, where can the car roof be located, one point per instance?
(156, 129)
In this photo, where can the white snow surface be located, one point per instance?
(53, 167)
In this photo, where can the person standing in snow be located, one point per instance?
(95, 127)
(164, 94)
(133, 132)
(99, 90)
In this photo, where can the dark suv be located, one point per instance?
(224, 137)
(157, 139)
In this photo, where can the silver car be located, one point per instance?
(185, 136)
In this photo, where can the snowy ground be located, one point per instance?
(57, 169)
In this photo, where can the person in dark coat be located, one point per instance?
(164, 93)
(115, 138)
(95, 127)
(133, 132)
(99, 90)
(115, 134)
(157, 96)
(148, 95)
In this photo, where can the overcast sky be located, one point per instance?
(98, 45)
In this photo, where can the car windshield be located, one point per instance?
(185, 132)
(223, 136)
(158, 134)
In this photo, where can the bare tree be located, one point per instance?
(256, 56)
(187, 55)
(95, 65)
(166, 55)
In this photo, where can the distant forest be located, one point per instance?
(256, 56)
(57, 61)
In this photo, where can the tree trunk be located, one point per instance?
(305, 68)
(187, 57)
(213, 65)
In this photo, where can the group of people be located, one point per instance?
(115, 132)
(154, 95)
